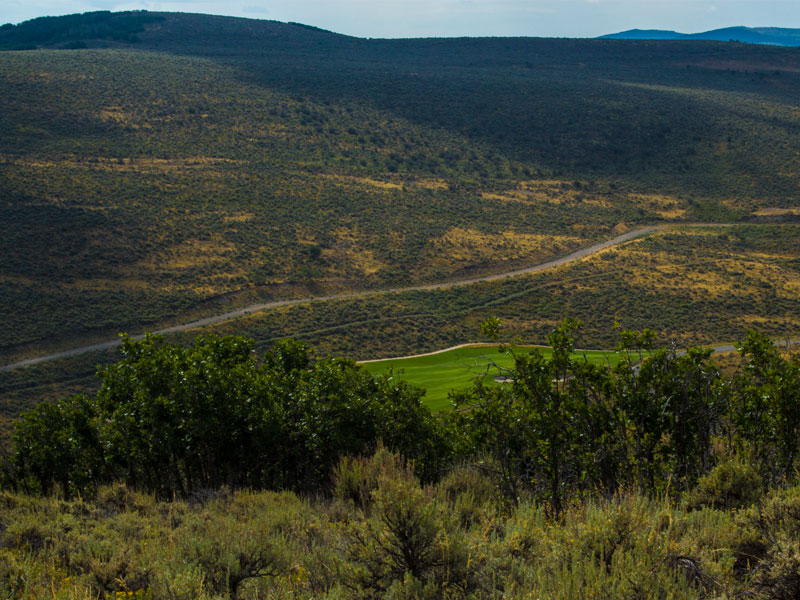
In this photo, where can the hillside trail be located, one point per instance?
(253, 308)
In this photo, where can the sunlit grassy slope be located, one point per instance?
(692, 286)
(458, 368)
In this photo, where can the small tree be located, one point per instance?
(767, 404)
(534, 430)
(57, 443)
(671, 404)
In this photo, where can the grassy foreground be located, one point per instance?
(457, 368)
(383, 535)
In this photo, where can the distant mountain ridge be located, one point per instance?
(774, 36)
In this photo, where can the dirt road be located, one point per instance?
(227, 316)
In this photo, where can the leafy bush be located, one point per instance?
(731, 484)
(178, 420)
(409, 544)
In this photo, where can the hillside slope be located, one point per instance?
(168, 165)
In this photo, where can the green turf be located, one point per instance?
(457, 369)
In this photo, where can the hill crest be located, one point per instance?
(774, 36)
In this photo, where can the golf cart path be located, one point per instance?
(720, 348)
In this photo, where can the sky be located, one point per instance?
(448, 18)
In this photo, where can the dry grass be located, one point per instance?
(470, 245)
(238, 218)
(430, 184)
(365, 181)
(364, 261)
(716, 274)
(548, 191)
(776, 212)
(666, 207)
(124, 164)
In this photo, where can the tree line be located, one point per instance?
(176, 420)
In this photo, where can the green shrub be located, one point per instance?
(472, 496)
(409, 543)
(356, 478)
(228, 552)
(111, 565)
(118, 498)
(730, 484)
(778, 577)
(178, 581)
(28, 532)
(768, 554)
(235, 540)
(12, 574)
(411, 588)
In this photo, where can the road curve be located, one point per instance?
(227, 316)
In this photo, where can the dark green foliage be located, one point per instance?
(564, 425)
(73, 31)
(767, 406)
(172, 414)
(181, 420)
(59, 443)
(672, 406)
(533, 428)
(177, 420)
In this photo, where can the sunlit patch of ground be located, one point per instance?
(365, 181)
(364, 260)
(470, 245)
(667, 207)
(105, 163)
(777, 212)
(429, 184)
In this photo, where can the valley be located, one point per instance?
(162, 172)
(254, 308)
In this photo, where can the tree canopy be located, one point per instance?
(177, 420)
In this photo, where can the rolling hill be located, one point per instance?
(777, 36)
(159, 167)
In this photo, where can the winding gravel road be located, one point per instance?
(227, 316)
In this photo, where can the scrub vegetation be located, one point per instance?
(691, 286)
(655, 477)
(179, 165)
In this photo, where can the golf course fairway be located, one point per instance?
(457, 368)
